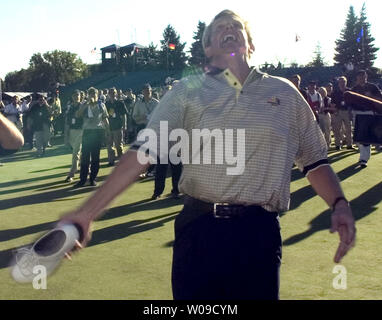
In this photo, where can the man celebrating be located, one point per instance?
(227, 237)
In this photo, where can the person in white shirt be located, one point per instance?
(324, 116)
(314, 99)
(28, 134)
(143, 108)
(13, 112)
(141, 114)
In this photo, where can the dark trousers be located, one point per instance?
(27, 133)
(161, 174)
(91, 147)
(235, 258)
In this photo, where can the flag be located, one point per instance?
(360, 35)
(171, 46)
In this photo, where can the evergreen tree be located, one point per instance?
(151, 56)
(318, 60)
(355, 44)
(346, 45)
(172, 55)
(365, 49)
(198, 58)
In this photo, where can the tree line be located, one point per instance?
(354, 50)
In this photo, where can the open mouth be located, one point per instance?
(228, 37)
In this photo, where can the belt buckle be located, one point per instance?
(215, 210)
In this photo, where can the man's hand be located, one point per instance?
(343, 222)
(84, 222)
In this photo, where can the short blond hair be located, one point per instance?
(343, 78)
(206, 39)
(323, 90)
(93, 90)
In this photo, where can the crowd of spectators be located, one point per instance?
(335, 116)
(40, 116)
(92, 119)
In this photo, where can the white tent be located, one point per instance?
(22, 95)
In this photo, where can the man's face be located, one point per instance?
(312, 87)
(76, 97)
(93, 96)
(228, 36)
(113, 94)
(342, 83)
(362, 78)
(147, 92)
(15, 100)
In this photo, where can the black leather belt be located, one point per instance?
(218, 210)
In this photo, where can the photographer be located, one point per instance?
(39, 123)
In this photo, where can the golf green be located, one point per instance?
(130, 254)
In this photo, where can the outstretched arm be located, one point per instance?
(125, 174)
(325, 182)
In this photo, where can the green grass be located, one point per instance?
(130, 253)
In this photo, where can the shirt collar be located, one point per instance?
(234, 82)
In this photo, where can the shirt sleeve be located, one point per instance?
(312, 150)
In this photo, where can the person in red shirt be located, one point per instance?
(314, 99)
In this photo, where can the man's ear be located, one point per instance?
(208, 51)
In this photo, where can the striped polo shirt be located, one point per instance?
(280, 129)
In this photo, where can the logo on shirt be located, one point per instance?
(274, 101)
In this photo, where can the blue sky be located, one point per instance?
(28, 27)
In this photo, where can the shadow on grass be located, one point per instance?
(143, 205)
(51, 169)
(123, 230)
(44, 197)
(57, 150)
(108, 234)
(55, 190)
(300, 196)
(6, 235)
(362, 206)
(43, 187)
(30, 180)
(139, 206)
